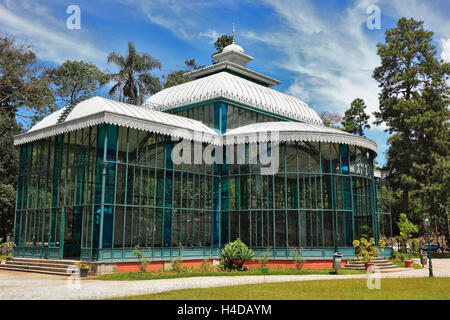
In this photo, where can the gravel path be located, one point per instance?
(18, 285)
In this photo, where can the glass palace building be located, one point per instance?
(99, 178)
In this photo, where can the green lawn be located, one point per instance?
(440, 255)
(402, 264)
(196, 273)
(351, 289)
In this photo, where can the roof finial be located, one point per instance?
(234, 34)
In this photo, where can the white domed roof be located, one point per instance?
(226, 85)
(233, 47)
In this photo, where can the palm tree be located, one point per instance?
(134, 81)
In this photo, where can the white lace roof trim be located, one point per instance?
(99, 110)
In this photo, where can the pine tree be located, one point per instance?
(355, 119)
(414, 101)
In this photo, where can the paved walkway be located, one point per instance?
(18, 285)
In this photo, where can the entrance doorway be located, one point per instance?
(72, 232)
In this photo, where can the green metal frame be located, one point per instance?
(128, 193)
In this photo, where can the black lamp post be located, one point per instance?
(430, 267)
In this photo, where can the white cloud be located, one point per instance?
(298, 89)
(331, 55)
(194, 21)
(445, 55)
(54, 42)
(212, 35)
(434, 14)
(187, 20)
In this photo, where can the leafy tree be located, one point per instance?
(25, 96)
(76, 81)
(414, 101)
(355, 119)
(9, 157)
(134, 81)
(179, 76)
(331, 119)
(221, 42)
(407, 231)
(366, 232)
(191, 65)
(25, 92)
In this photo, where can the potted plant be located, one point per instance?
(407, 230)
(84, 269)
(366, 251)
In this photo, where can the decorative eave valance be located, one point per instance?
(292, 131)
(116, 119)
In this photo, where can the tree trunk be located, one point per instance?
(448, 226)
(436, 230)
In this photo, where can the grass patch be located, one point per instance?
(196, 273)
(351, 289)
(434, 255)
(440, 255)
(402, 264)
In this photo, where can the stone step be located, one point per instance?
(35, 267)
(40, 264)
(377, 264)
(359, 261)
(376, 258)
(9, 268)
(34, 260)
(363, 267)
(46, 266)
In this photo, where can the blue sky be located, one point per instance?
(321, 51)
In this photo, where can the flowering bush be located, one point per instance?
(366, 250)
(6, 249)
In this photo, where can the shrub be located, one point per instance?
(143, 262)
(366, 250)
(84, 265)
(6, 249)
(234, 255)
(205, 266)
(407, 231)
(366, 232)
(399, 257)
(297, 256)
(264, 259)
(176, 263)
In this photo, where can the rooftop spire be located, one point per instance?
(234, 34)
(233, 52)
